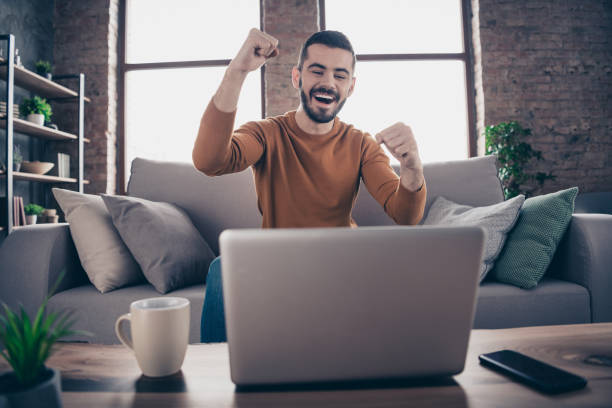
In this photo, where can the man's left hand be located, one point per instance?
(400, 141)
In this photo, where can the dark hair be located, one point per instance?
(330, 38)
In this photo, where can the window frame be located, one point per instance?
(124, 67)
(466, 57)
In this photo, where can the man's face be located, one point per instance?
(325, 81)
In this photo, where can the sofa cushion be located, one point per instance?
(170, 251)
(532, 243)
(105, 258)
(553, 301)
(496, 220)
(471, 182)
(96, 312)
(213, 203)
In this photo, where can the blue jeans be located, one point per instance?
(212, 327)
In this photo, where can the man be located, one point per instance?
(307, 163)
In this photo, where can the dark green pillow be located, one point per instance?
(530, 246)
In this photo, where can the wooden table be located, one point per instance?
(107, 376)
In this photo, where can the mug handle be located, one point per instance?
(120, 332)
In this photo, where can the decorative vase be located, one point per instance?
(31, 219)
(16, 166)
(37, 118)
(49, 76)
(46, 393)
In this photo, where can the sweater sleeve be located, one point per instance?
(403, 206)
(219, 149)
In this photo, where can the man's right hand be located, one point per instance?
(256, 50)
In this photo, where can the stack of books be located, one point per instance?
(63, 165)
(3, 110)
(18, 211)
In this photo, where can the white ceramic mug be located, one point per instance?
(160, 334)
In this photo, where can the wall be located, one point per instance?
(291, 22)
(86, 41)
(548, 65)
(544, 63)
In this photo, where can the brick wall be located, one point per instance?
(545, 63)
(548, 65)
(86, 41)
(291, 22)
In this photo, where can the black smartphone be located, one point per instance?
(532, 372)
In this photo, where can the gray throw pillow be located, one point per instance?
(169, 249)
(497, 220)
(104, 257)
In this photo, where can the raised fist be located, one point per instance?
(256, 50)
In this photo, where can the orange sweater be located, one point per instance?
(301, 179)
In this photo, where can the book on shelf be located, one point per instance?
(22, 211)
(18, 211)
(15, 211)
(63, 165)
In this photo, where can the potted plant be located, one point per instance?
(17, 158)
(26, 344)
(32, 211)
(36, 110)
(507, 141)
(43, 68)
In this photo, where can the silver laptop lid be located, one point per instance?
(341, 304)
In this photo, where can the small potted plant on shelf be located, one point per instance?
(26, 344)
(32, 211)
(36, 110)
(17, 158)
(43, 68)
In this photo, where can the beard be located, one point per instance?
(317, 114)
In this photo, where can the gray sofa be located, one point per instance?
(576, 288)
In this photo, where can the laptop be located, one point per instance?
(348, 304)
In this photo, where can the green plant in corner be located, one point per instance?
(43, 67)
(33, 209)
(35, 105)
(506, 140)
(29, 343)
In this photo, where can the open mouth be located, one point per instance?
(324, 98)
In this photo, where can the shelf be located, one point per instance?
(38, 84)
(16, 227)
(54, 91)
(43, 132)
(18, 175)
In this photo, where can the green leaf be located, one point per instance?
(507, 141)
(27, 344)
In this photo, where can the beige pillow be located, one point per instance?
(105, 258)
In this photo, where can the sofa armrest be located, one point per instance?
(31, 260)
(584, 257)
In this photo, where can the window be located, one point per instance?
(175, 54)
(413, 67)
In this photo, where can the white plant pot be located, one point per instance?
(31, 219)
(37, 118)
